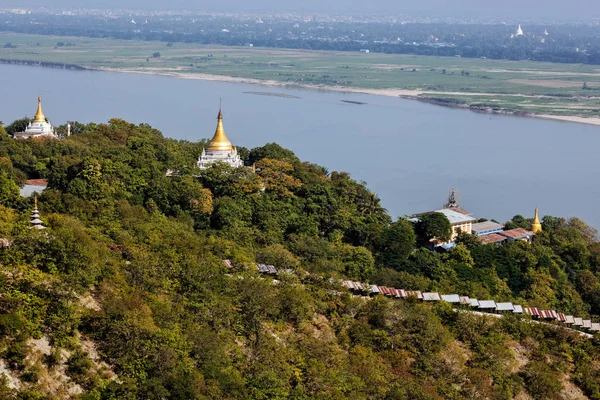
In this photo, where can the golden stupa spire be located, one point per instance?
(536, 226)
(219, 140)
(39, 115)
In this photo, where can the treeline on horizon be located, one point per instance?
(172, 322)
(565, 43)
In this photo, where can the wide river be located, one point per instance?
(408, 152)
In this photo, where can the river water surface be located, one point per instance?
(408, 152)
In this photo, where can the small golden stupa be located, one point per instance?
(219, 140)
(536, 226)
(39, 114)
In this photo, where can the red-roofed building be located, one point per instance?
(495, 238)
(518, 234)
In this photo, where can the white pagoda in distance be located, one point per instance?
(39, 127)
(519, 31)
(219, 149)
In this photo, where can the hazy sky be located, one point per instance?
(531, 9)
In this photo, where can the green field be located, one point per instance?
(507, 85)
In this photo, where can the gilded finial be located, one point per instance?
(536, 226)
(39, 115)
(219, 140)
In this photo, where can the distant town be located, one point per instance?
(493, 38)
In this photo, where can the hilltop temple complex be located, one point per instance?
(39, 127)
(219, 149)
(487, 232)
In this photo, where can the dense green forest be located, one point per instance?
(125, 294)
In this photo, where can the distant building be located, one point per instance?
(38, 128)
(32, 186)
(219, 149)
(461, 221)
(486, 228)
(518, 234)
(366, 51)
(492, 238)
(519, 31)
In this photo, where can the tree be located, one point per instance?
(397, 242)
(9, 191)
(358, 262)
(434, 225)
(271, 150)
(469, 240)
(18, 126)
(278, 256)
(156, 55)
(276, 177)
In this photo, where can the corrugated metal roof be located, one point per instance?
(518, 309)
(431, 296)
(560, 317)
(518, 233)
(505, 306)
(569, 319)
(460, 210)
(359, 286)
(465, 300)
(456, 217)
(375, 289)
(451, 298)
(474, 302)
(401, 292)
(228, 264)
(532, 311)
(578, 321)
(587, 323)
(263, 268)
(486, 226)
(415, 293)
(487, 304)
(37, 182)
(547, 314)
(492, 238)
(595, 326)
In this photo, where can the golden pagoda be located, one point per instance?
(219, 149)
(536, 226)
(39, 127)
(219, 140)
(39, 115)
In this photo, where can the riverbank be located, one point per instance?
(407, 94)
(557, 91)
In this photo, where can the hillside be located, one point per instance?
(125, 294)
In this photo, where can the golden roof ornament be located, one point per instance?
(39, 115)
(536, 226)
(219, 140)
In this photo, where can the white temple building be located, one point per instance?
(219, 149)
(39, 127)
(519, 31)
